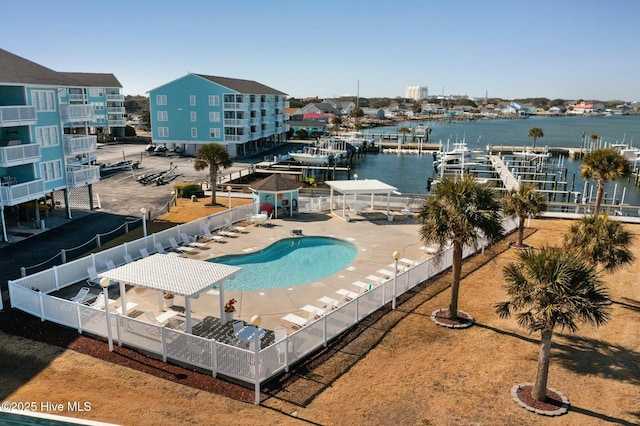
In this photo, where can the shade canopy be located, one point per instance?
(363, 186)
(172, 274)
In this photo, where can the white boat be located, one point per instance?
(458, 159)
(357, 139)
(530, 154)
(312, 156)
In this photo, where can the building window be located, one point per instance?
(43, 100)
(194, 116)
(97, 106)
(163, 132)
(51, 170)
(100, 119)
(192, 100)
(161, 99)
(163, 116)
(214, 117)
(96, 93)
(214, 100)
(194, 132)
(214, 133)
(47, 136)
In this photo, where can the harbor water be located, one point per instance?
(409, 172)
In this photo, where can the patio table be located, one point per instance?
(247, 333)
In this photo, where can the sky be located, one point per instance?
(568, 49)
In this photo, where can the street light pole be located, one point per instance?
(143, 212)
(229, 192)
(104, 283)
(396, 256)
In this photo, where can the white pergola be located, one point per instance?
(363, 186)
(173, 274)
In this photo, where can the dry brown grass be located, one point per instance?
(416, 372)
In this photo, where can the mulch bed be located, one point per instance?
(463, 319)
(552, 404)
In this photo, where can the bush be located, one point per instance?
(187, 189)
(129, 131)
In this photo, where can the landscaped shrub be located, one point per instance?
(187, 189)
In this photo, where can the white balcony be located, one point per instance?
(78, 176)
(12, 195)
(18, 155)
(117, 123)
(236, 106)
(116, 110)
(237, 138)
(236, 122)
(115, 97)
(76, 145)
(17, 116)
(256, 120)
(76, 97)
(76, 113)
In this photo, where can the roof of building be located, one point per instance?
(16, 69)
(89, 79)
(243, 86)
(276, 183)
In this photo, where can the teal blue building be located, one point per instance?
(244, 116)
(50, 123)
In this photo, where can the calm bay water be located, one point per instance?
(409, 172)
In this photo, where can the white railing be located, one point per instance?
(115, 97)
(238, 122)
(17, 155)
(23, 115)
(75, 113)
(75, 145)
(236, 138)
(78, 176)
(29, 294)
(116, 110)
(117, 123)
(236, 106)
(22, 192)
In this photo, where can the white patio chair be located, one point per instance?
(231, 227)
(81, 295)
(127, 258)
(186, 241)
(144, 252)
(179, 248)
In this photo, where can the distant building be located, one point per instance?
(417, 93)
(49, 127)
(375, 113)
(198, 109)
(587, 108)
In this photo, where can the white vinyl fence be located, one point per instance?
(30, 294)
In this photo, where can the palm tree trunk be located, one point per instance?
(213, 176)
(455, 285)
(599, 192)
(539, 391)
(534, 142)
(520, 230)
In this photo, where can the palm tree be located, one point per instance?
(215, 157)
(600, 241)
(461, 211)
(594, 137)
(521, 202)
(603, 165)
(535, 133)
(404, 131)
(549, 288)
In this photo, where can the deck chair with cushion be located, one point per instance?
(206, 234)
(178, 248)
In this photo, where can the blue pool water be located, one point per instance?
(289, 262)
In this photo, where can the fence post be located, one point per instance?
(163, 334)
(63, 256)
(23, 272)
(98, 240)
(214, 358)
(42, 318)
(118, 322)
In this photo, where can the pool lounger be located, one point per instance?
(295, 320)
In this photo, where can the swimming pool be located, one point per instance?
(289, 262)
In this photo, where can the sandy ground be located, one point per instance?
(416, 373)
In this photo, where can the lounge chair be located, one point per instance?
(296, 320)
(179, 248)
(385, 273)
(161, 250)
(109, 264)
(144, 252)
(231, 227)
(186, 241)
(227, 233)
(81, 295)
(363, 286)
(346, 294)
(315, 311)
(94, 279)
(127, 258)
(329, 302)
(209, 236)
(161, 319)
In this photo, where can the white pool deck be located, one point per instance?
(376, 241)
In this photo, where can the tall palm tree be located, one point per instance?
(521, 202)
(214, 157)
(460, 211)
(550, 288)
(404, 131)
(603, 165)
(535, 133)
(600, 241)
(594, 137)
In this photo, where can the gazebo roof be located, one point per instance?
(363, 186)
(172, 274)
(276, 183)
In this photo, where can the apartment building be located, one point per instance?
(243, 115)
(50, 122)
